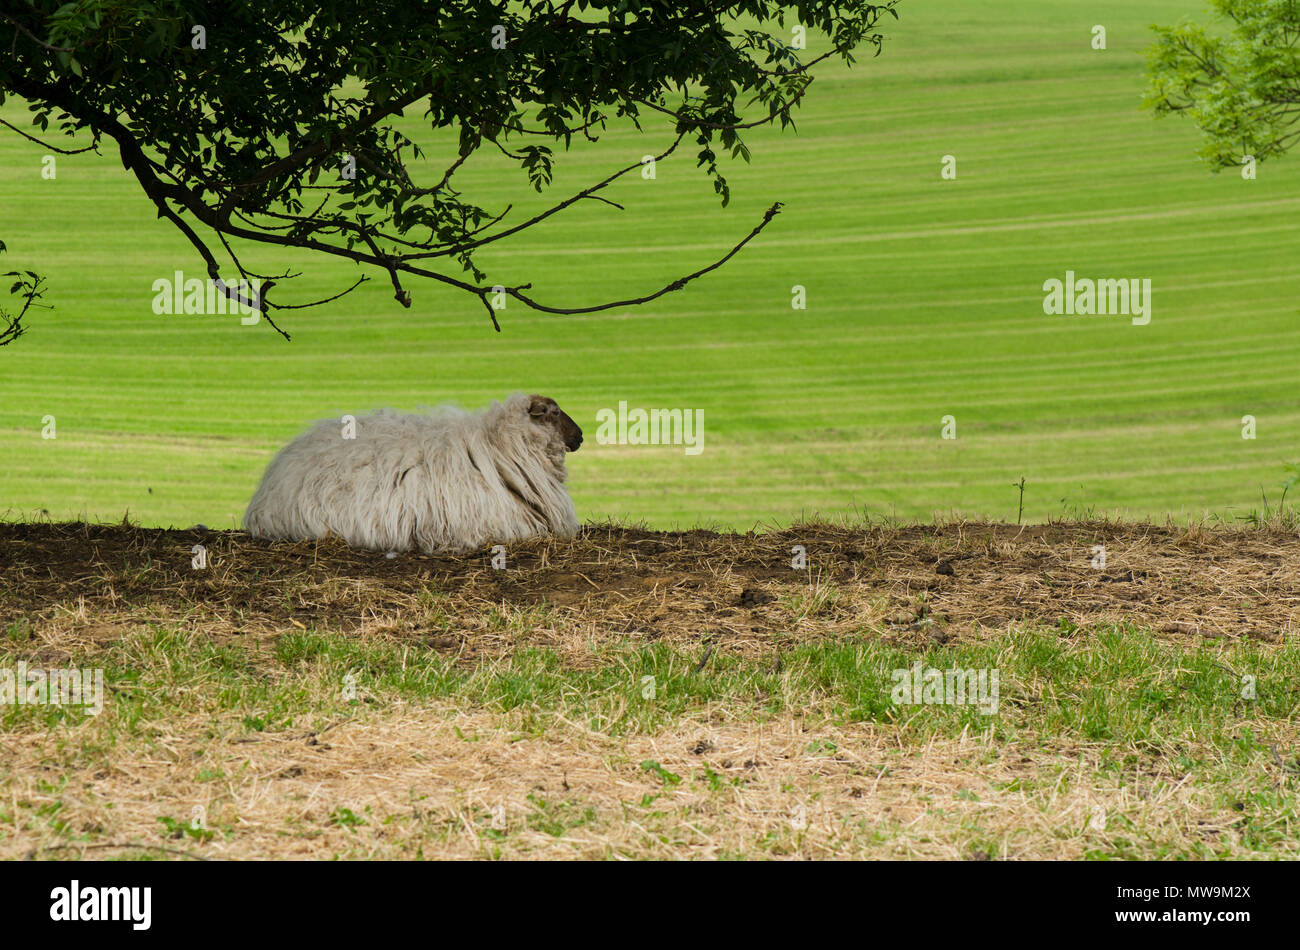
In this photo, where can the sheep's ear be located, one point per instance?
(538, 406)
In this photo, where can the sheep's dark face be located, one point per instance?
(546, 412)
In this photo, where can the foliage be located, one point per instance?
(247, 120)
(1241, 88)
(27, 286)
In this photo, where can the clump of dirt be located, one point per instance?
(909, 584)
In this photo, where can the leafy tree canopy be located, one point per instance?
(237, 118)
(1240, 85)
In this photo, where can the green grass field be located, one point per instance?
(924, 300)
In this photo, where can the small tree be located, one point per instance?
(1241, 87)
(270, 121)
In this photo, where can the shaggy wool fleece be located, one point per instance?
(445, 481)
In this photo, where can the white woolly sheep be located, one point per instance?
(446, 481)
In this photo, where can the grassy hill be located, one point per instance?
(924, 300)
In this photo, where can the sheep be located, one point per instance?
(448, 481)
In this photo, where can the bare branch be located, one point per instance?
(52, 148)
(585, 193)
(678, 284)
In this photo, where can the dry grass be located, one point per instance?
(442, 782)
(498, 713)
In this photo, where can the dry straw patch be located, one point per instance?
(443, 783)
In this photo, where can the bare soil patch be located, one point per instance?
(909, 583)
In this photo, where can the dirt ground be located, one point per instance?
(738, 590)
(448, 777)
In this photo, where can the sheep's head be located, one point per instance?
(546, 412)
